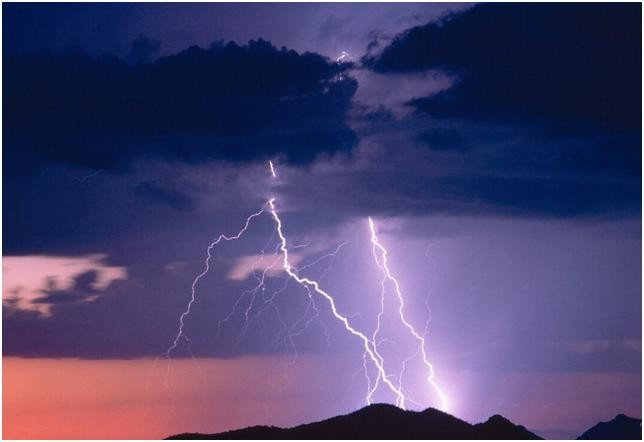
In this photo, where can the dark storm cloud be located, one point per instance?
(143, 50)
(442, 138)
(478, 170)
(230, 102)
(149, 191)
(518, 62)
(543, 117)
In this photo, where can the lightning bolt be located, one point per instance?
(313, 285)
(313, 289)
(380, 257)
(374, 339)
(312, 305)
(213, 244)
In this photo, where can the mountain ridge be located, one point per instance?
(381, 421)
(385, 421)
(621, 427)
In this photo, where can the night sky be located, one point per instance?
(497, 147)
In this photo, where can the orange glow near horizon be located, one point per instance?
(128, 399)
(48, 398)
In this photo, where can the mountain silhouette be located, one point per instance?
(621, 427)
(382, 421)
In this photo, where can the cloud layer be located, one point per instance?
(517, 63)
(231, 102)
(38, 283)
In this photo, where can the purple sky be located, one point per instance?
(507, 195)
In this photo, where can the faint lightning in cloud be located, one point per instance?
(88, 176)
(343, 55)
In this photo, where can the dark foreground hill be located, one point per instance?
(382, 421)
(621, 427)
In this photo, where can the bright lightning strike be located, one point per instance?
(311, 284)
(380, 257)
(370, 344)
